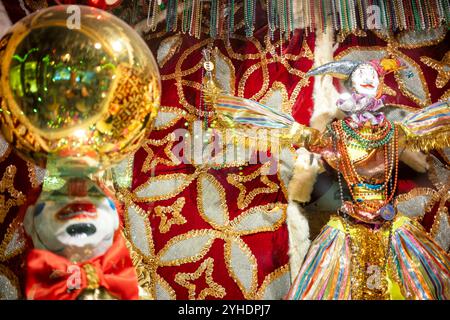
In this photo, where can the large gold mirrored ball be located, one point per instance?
(78, 87)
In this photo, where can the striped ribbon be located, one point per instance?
(429, 120)
(248, 112)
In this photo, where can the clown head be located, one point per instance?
(364, 80)
(78, 226)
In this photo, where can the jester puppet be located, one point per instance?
(368, 249)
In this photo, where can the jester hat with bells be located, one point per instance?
(343, 69)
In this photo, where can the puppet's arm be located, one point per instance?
(427, 129)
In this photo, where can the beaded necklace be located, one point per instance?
(335, 138)
(352, 177)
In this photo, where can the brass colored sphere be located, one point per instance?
(78, 87)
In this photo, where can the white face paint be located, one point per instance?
(365, 80)
(78, 228)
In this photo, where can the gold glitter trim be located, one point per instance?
(245, 197)
(173, 48)
(177, 218)
(163, 283)
(148, 231)
(15, 226)
(445, 96)
(388, 90)
(359, 48)
(185, 178)
(278, 86)
(214, 289)
(145, 271)
(270, 278)
(442, 212)
(267, 209)
(442, 68)
(401, 84)
(248, 56)
(416, 192)
(32, 175)
(151, 161)
(183, 237)
(343, 34)
(202, 209)
(7, 184)
(180, 114)
(227, 60)
(265, 76)
(12, 278)
(248, 294)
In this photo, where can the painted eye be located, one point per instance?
(39, 208)
(111, 204)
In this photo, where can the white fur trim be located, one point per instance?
(299, 242)
(324, 93)
(415, 160)
(307, 167)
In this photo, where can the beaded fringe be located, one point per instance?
(287, 15)
(426, 143)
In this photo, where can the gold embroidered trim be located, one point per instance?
(416, 192)
(12, 278)
(15, 226)
(394, 40)
(248, 294)
(245, 197)
(182, 237)
(173, 48)
(223, 203)
(214, 289)
(7, 184)
(151, 161)
(265, 76)
(163, 283)
(442, 68)
(268, 208)
(270, 278)
(148, 231)
(401, 84)
(185, 178)
(180, 114)
(176, 219)
(232, 70)
(277, 86)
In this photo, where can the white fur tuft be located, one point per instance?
(415, 160)
(299, 242)
(324, 93)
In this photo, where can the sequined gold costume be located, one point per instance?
(359, 254)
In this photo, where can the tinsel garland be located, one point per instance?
(287, 15)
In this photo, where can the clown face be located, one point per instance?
(365, 80)
(78, 228)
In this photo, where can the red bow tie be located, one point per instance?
(53, 277)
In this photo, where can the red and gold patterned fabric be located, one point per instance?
(216, 233)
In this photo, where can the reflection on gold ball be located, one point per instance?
(81, 94)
